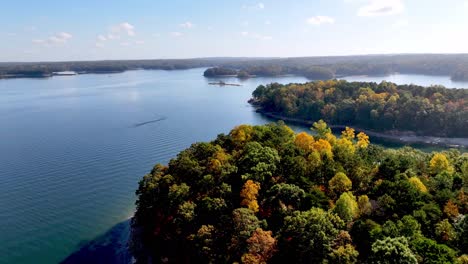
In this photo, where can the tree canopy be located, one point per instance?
(263, 194)
(433, 111)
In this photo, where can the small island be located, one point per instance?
(221, 83)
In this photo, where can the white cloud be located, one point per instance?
(187, 25)
(125, 28)
(139, 42)
(318, 20)
(116, 32)
(102, 38)
(381, 8)
(244, 33)
(257, 6)
(125, 44)
(112, 36)
(57, 39)
(267, 22)
(176, 34)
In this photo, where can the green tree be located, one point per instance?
(307, 236)
(347, 207)
(429, 252)
(392, 251)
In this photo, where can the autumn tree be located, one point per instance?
(249, 195)
(416, 182)
(261, 247)
(439, 163)
(451, 209)
(304, 141)
(339, 183)
(363, 140)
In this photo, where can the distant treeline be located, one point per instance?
(323, 68)
(454, 65)
(435, 110)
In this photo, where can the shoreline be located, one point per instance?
(398, 136)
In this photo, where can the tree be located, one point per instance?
(340, 183)
(440, 163)
(324, 148)
(346, 207)
(249, 195)
(365, 207)
(285, 196)
(392, 250)
(307, 236)
(363, 140)
(346, 254)
(445, 231)
(304, 141)
(261, 247)
(321, 128)
(258, 162)
(416, 182)
(348, 133)
(451, 209)
(242, 134)
(428, 251)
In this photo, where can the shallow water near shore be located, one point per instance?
(73, 148)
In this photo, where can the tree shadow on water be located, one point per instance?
(111, 247)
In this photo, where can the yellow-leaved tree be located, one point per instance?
(249, 195)
(363, 140)
(323, 147)
(304, 141)
(348, 133)
(416, 182)
(241, 134)
(440, 163)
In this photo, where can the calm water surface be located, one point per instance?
(423, 80)
(73, 148)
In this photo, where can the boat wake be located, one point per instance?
(149, 122)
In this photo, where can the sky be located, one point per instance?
(50, 30)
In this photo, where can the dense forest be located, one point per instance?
(435, 110)
(454, 65)
(263, 194)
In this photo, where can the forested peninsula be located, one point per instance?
(263, 194)
(453, 65)
(384, 107)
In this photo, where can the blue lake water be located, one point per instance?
(417, 79)
(73, 148)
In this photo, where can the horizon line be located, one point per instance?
(235, 57)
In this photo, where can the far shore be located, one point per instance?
(394, 135)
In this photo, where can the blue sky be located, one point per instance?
(49, 30)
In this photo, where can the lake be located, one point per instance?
(73, 148)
